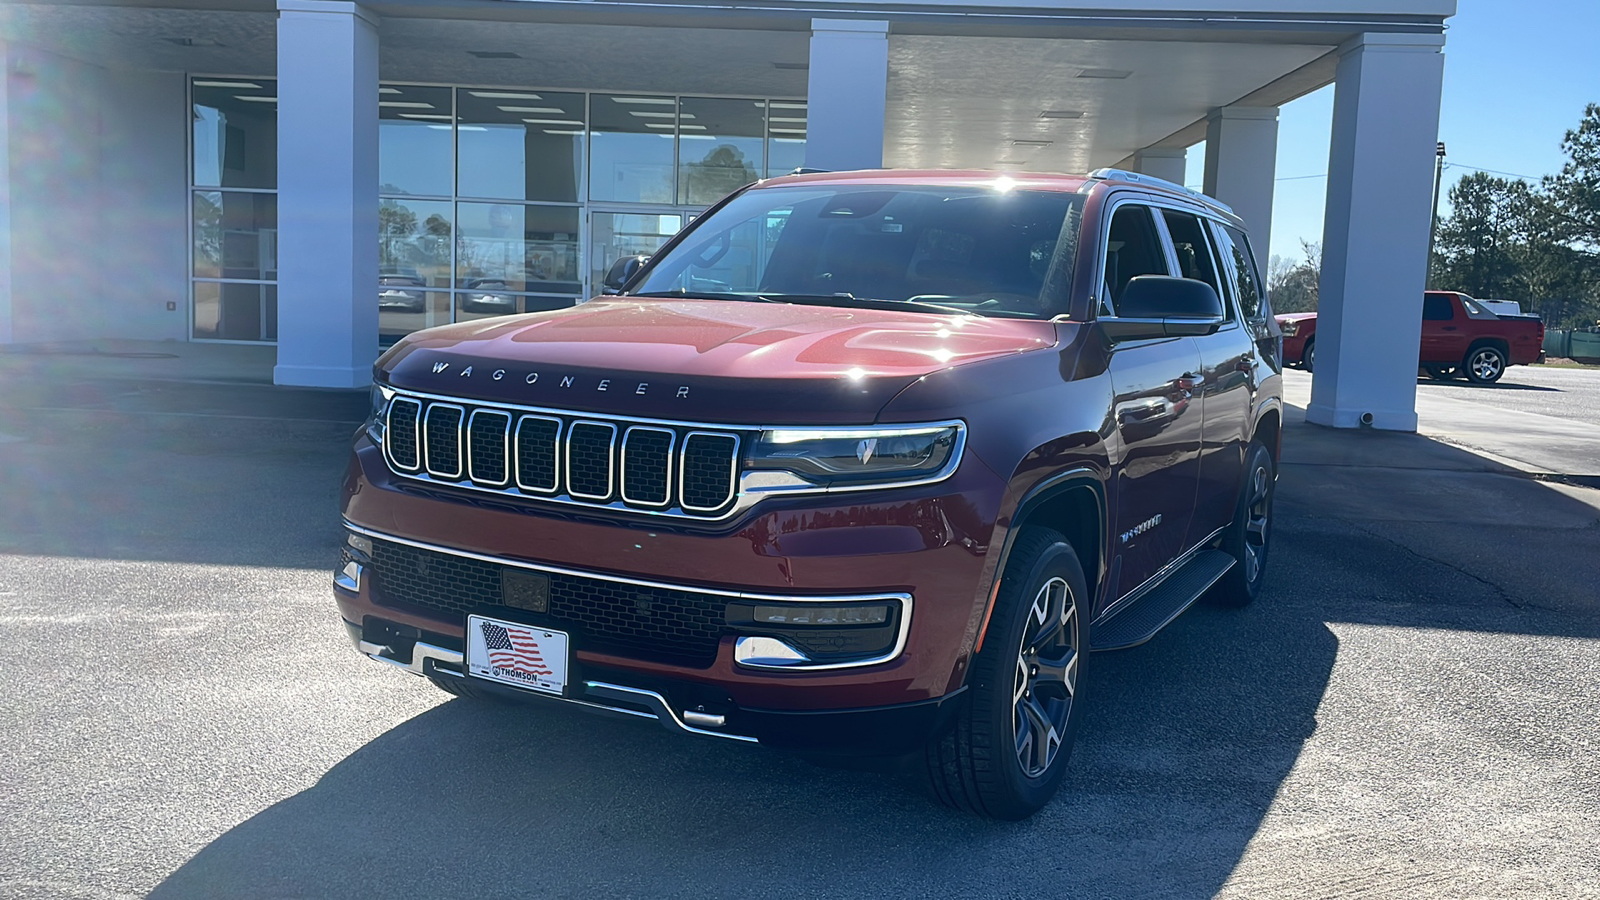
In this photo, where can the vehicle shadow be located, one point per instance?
(1496, 386)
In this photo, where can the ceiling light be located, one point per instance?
(697, 137)
(560, 131)
(504, 95)
(552, 121)
(789, 140)
(494, 54)
(1061, 114)
(659, 101)
(667, 126)
(787, 130)
(692, 127)
(236, 85)
(780, 104)
(255, 99)
(424, 116)
(547, 110)
(1103, 73)
(651, 114)
(405, 104)
(800, 119)
(1031, 144)
(384, 90)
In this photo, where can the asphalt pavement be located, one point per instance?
(1410, 710)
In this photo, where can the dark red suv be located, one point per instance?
(858, 464)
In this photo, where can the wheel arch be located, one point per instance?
(1268, 428)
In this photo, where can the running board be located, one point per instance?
(1166, 601)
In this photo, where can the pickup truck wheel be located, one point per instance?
(1249, 538)
(1485, 364)
(1309, 355)
(1008, 750)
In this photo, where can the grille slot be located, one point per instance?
(647, 465)
(710, 462)
(488, 433)
(589, 460)
(400, 434)
(441, 427)
(538, 453)
(681, 627)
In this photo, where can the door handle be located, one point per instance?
(1191, 382)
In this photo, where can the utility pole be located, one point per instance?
(1433, 228)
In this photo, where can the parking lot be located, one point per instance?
(1410, 711)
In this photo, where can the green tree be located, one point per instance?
(1292, 284)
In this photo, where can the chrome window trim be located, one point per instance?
(903, 598)
(505, 445)
(683, 470)
(555, 454)
(416, 433)
(622, 466)
(611, 461)
(460, 425)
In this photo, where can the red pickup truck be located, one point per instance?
(1459, 336)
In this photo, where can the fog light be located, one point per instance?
(822, 615)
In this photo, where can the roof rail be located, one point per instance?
(1140, 178)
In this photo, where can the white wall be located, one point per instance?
(5, 195)
(98, 222)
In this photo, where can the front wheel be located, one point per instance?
(1250, 536)
(1007, 753)
(1485, 365)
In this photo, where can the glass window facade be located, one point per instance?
(492, 200)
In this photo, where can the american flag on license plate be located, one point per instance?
(513, 647)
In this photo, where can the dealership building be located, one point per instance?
(328, 175)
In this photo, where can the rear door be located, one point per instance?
(1157, 416)
(1444, 335)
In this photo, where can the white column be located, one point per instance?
(1242, 166)
(1375, 235)
(327, 193)
(1166, 163)
(846, 92)
(6, 336)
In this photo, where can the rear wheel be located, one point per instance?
(1308, 357)
(1485, 365)
(1250, 536)
(1008, 751)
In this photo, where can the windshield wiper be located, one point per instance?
(707, 295)
(846, 300)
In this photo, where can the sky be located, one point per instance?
(1517, 76)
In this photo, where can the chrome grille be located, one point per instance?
(647, 466)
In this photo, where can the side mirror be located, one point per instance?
(1154, 306)
(621, 272)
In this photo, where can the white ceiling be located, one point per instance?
(954, 101)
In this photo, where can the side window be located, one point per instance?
(1194, 252)
(1246, 278)
(1132, 249)
(1436, 308)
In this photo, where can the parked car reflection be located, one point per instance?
(401, 291)
(488, 295)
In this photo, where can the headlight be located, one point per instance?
(1290, 329)
(378, 415)
(836, 457)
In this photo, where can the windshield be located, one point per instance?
(932, 249)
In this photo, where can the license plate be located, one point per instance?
(522, 655)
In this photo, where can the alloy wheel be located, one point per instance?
(1486, 364)
(1046, 677)
(1255, 525)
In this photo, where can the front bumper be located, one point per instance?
(926, 544)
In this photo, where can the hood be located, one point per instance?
(704, 360)
(1295, 317)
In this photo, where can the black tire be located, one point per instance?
(1308, 356)
(1249, 538)
(1484, 364)
(1441, 373)
(1028, 673)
